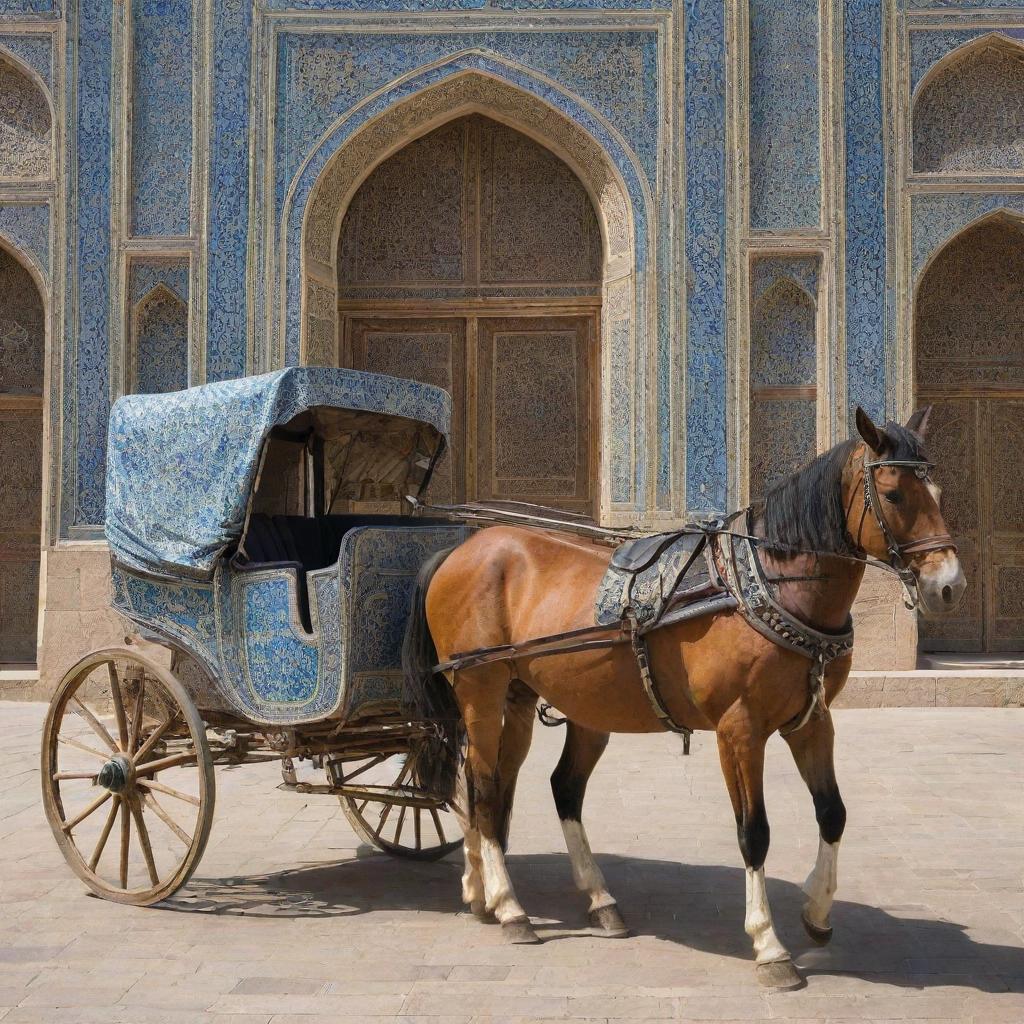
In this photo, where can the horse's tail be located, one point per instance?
(429, 695)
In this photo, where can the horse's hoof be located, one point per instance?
(479, 910)
(819, 936)
(519, 932)
(607, 923)
(780, 976)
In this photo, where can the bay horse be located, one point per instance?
(508, 584)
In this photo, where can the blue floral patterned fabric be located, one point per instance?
(181, 466)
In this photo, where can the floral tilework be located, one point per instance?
(88, 320)
(705, 256)
(865, 209)
(35, 51)
(785, 158)
(144, 276)
(30, 7)
(161, 116)
(25, 125)
(935, 219)
(27, 226)
(160, 343)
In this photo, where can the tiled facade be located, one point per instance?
(173, 174)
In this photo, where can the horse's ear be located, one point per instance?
(918, 422)
(874, 438)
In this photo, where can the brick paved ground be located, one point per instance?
(289, 920)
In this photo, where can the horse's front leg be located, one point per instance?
(583, 748)
(812, 748)
(741, 750)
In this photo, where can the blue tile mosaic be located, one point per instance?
(705, 256)
(228, 183)
(866, 327)
(143, 277)
(27, 227)
(927, 48)
(935, 219)
(161, 120)
(785, 130)
(88, 315)
(34, 51)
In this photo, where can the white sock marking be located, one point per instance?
(820, 886)
(585, 872)
(758, 922)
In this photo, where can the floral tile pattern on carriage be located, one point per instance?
(281, 661)
(182, 465)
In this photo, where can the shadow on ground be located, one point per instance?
(698, 906)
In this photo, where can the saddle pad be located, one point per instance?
(648, 590)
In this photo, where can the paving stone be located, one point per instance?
(290, 918)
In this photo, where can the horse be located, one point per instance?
(869, 496)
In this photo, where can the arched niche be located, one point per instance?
(783, 370)
(22, 366)
(159, 343)
(623, 323)
(472, 259)
(969, 364)
(967, 112)
(26, 124)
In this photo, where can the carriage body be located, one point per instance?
(256, 533)
(284, 598)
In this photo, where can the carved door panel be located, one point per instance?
(953, 442)
(535, 410)
(1000, 457)
(428, 350)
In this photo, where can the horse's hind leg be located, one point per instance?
(516, 736)
(741, 749)
(583, 748)
(481, 695)
(812, 750)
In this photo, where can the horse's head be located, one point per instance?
(898, 520)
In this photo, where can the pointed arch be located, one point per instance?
(23, 450)
(966, 109)
(159, 342)
(26, 122)
(479, 83)
(999, 212)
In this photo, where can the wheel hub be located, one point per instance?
(115, 773)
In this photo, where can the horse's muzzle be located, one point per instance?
(941, 583)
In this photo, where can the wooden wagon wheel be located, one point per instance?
(386, 811)
(127, 777)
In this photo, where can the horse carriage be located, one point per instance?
(255, 549)
(253, 537)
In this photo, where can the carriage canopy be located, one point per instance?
(181, 467)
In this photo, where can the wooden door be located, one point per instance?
(523, 395)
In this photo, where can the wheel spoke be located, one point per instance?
(104, 835)
(419, 830)
(82, 815)
(161, 788)
(62, 776)
(126, 838)
(386, 811)
(133, 738)
(153, 739)
(172, 761)
(68, 741)
(147, 850)
(118, 701)
(151, 802)
(398, 827)
(95, 724)
(366, 767)
(437, 825)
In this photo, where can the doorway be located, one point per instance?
(472, 259)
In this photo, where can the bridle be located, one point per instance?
(898, 552)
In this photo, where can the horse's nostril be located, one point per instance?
(947, 594)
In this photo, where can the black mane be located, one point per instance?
(804, 511)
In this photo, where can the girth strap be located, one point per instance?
(639, 645)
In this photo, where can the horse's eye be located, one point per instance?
(893, 497)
